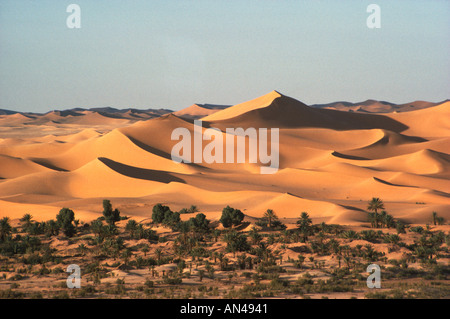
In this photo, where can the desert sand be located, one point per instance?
(331, 163)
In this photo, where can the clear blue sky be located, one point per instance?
(171, 54)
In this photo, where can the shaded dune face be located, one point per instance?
(286, 112)
(141, 173)
(330, 162)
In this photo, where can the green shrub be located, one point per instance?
(231, 217)
(417, 229)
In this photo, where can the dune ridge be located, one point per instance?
(197, 111)
(331, 162)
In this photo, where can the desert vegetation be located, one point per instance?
(166, 256)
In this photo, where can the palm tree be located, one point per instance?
(241, 261)
(158, 253)
(51, 228)
(255, 236)
(193, 209)
(263, 251)
(383, 216)
(109, 230)
(304, 225)
(434, 218)
(235, 241)
(216, 234)
(131, 227)
(27, 219)
(97, 227)
(111, 216)
(286, 236)
(339, 257)
(374, 205)
(371, 218)
(300, 260)
(270, 216)
(201, 272)
(126, 255)
(65, 220)
(184, 229)
(145, 250)
(348, 261)
(76, 222)
(5, 228)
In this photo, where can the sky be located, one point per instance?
(171, 54)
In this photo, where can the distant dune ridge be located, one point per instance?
(374, 106)
(333, 159)
(197, 111)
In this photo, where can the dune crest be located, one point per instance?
(245, 107)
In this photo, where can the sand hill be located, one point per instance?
(330, 162)
(197, 111)
(374, 106)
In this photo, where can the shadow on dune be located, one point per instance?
(287, 112)
(351, 157)
(391, 184)
(353, 208)
(45, 163)
(385, 140)
(149, 148)
(440, 193)
(158, 152)
(141, 173)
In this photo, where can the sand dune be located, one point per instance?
(112, 145)
(374, 106)
(424, 162)
(239, 109)
(12, 167)
(15, 119)
(35, 149)
(40, 212)
(80, 136)
(290, 206)
(197, 111)
(430, 122)
(276, 110)
(441, 184)
(95, 116)
(97, 178)
(331, 162)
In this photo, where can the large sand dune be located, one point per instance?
(331, 162)
(373, 106)
(197, 111)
